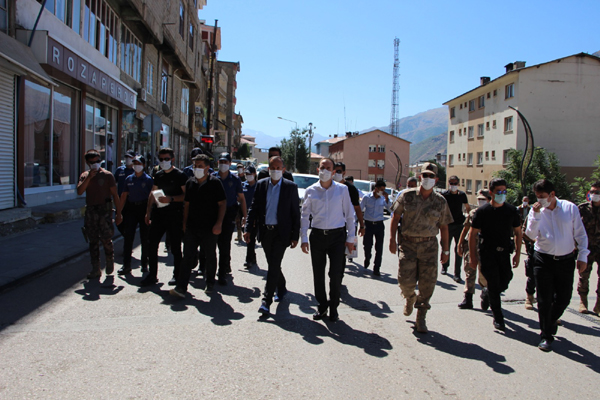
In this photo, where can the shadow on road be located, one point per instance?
(93, 289)
(576, 353)
(379, 309)
(358, 271)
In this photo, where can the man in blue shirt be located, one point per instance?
(234, 193)
(132, 213)
(372, 205)
(124, 171)
(248, 187)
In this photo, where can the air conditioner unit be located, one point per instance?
(142, 96)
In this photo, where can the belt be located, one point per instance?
(330, 231)
(373, 222)
(271, 227)
(416, 239)
(558, 258)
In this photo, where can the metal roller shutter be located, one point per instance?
(7, 139)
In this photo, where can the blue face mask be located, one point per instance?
(500, 198)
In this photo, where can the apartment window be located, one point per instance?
(485, 184)
(495, 92)
(470, 159)
(480, 158)
(487, 156)
(150, 78)
(451, 160)
(477, 186)
(481, 102)
(505, 157)
(67, 11)
(464, 157)
(465, 104)
(509, 91)
(451, 136)
(131, 54)
(471, 132)
(4, 16)
(480, 130)
(372, 177)
(185, 105)
(462, 182)
(493, 154)
(508, 124)
(494, 124)
(469, 186)
(191, 37)
(164, 82)
(381, 148)
(372, 163)
(487, 126)
(459, 157)
(453, 112)
(381, 164)
(488, 95)
(460, 132)
(461, 106)
(100, 27)
(472, 105)
(181, 19)
(372, 148)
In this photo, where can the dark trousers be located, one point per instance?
(274, 249)
(251, 248)
(530, 285)
(374, 230)
(554, 284)
(169, 220)
(454, 231)
(134, 216)
(193, 238)
(224, 241)
(330, 246)
(497, 269)
(99, 229)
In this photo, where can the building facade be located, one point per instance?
(559, 100)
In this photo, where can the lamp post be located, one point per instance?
(295, 140)
(310, 136)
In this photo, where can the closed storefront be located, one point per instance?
(7, 139)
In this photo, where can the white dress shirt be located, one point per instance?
(556, 231)
(330, 208)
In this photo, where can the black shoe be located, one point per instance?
(444, 270)
(457, 279)
(545, 345)
(264, 309)
(467, 303)
(144, 269)
(499, 325)
(279, 295)
(485, 299)
(222, 281)
(366, 264)
(172, 282)
(124, 271)
(148, 281)
(334, 316)
(110, 268)
(209, 288)
(376, 272)
(319, 315)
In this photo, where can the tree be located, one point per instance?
(295, 147)
(243, 152)
(581, 185)
(544, 165)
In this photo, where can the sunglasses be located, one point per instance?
(94, 161)
(453, 183)
(164, 159)
(501, 192)
(339, 171)
(428, 175)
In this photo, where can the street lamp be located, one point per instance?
(295, 140)
(310, 136)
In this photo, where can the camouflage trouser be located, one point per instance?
(99, 228)
(470, 273)
(418, 263)
(583, 286)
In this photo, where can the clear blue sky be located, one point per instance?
(306, 60)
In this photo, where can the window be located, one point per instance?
(372, 163)
(381, 164)
(477, 186)
(191, 37)
(508, 124)
(469, 186)
(471, 132)
(480, 130)
(488, 95)
(4, 16)
(481, 102)
(487, 156)
(509, 91)
(164, 82)
(494, 124)
(372, 148)
(461, 106)
(150, 78)
(372, 177)
(495, 92)
(453, 112)
(493, 154)
(67, 11)
(181, 19)
(464, 157)
(487, 126)
(451, 160)
(381, 148)
(451, 136)
(480, 158)
(462, 182)
(460, 132)
(472, 105)
(505, 157)
(131, 54)
(465, 104)
(470, 159)
(185, 105)
(459, 157)
(485, 184)
(100, 27)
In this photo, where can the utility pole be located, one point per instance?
(310, 136)
(394, 117)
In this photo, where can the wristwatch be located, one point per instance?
(446, 252)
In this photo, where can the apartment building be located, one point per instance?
(226, 121)
(559, 99)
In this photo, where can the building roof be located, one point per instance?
(315, 156)
(333, 140)
(517, 70)
(379, 131)
(244, 140)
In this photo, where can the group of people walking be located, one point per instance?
(198, 207)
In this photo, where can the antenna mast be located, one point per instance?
(394, 117)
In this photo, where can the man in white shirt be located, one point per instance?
(556, 226)
(332, 216)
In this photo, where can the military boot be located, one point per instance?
(583, 304)
(110, 266)
(529, 302)
(485, 299)
(94, 273)
(597, 307)
(409, 305)
(467, 303)
(420, 324)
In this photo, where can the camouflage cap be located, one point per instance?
(431, 167)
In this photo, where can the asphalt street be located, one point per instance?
(62, 336)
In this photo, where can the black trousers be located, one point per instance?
(497, 269)
(169, 220)
(224, 241)
(554, 284)
(374, 230)
(193, 238)
(274, 249)
(134, 215)
(454, 231)
(251, 248)
(330, 246)
(530, 285)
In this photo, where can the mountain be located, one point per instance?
(597, 54)
(428, 148)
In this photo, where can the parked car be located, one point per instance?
(363, 187)
(304, 181)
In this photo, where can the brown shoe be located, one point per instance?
(420, 324)
(529, 302)
(409, 305)
(597, 307)
(583, 305)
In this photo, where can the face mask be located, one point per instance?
(223, 167)
(199, 173)
(250, 178)
(525, 204)
(453, 188)
(324, 175)
(595, 198)
(128, 161)
(428, 183)
(500, 198)
(275, 174)
(95, 166)
(544, 202)
(240, 171)
(481, 202)
(165, 164)
(138, 168)
(338, 177)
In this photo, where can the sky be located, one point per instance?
(330, 62)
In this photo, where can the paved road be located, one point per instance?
(64, 337)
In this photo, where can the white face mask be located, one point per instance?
(199, 173)
(324, 175)
(138, 168)
(240, 171)
(595, 198)
(165, 165)
(275, 174)
(95, 166)
(481, 202)
(338, 177)
(544, 202)
(250, 178)
(128, 161)
(428, 183)
(525, 203)
(453, 188)
(223, 167)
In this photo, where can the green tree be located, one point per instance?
(243, 152)
(544, 165)
(581, 185)
(295, 147)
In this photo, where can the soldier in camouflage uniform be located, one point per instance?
(590, 216)
(99, 186)
(424, 213)
(483, 197)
